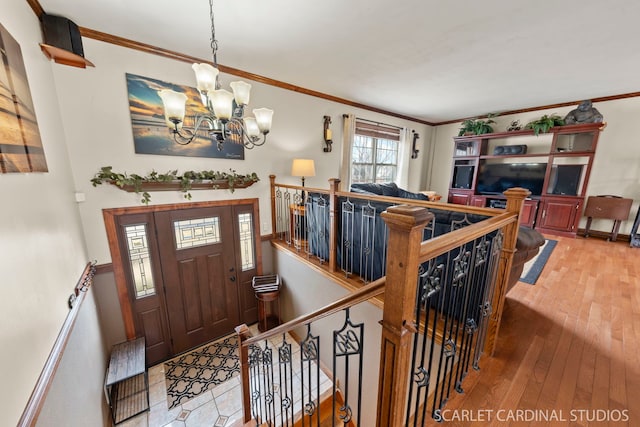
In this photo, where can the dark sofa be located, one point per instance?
(527, 245)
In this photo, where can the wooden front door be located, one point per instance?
(188, 273)
(197, 254)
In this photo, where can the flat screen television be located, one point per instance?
(495, 178)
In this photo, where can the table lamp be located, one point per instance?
(303, 168)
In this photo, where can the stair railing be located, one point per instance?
(268, 374)
(468, 326)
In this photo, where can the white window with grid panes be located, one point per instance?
(374, 153)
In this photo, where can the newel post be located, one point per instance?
(406, 225)
(515, 201)
(334, 186)
(243, 352)
(274, 222)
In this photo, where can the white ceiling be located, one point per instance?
(435, 60)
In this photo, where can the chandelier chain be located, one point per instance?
(214, 42)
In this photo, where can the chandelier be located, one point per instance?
(225, 119)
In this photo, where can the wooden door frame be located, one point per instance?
(110, 216)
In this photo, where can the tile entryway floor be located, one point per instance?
(218, 407)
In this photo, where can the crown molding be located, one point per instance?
(147, 48)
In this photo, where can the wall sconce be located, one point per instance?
(414, 151)
(327, 134)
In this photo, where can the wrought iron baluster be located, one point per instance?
(462, 306)
(479, 283)
(430, 282)
(267, 380)
(310, 355)
(280, 214)
(348, 343)
(347, 237)
(459, 270)
(323, 225)
(311, 231)
(255, 363)
(487, 297)
(287, 209)
(367, 242)
(285, 372)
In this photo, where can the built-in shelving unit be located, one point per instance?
(554, 166)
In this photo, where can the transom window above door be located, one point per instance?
(192, 233)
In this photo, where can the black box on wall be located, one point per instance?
(61, 32)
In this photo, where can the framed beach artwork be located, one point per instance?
(150, 132)
(20, 144)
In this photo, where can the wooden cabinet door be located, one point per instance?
(529, 210)
(479, 201)
(559, 215)
(459, 198)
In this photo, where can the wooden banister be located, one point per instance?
(515, 201)
(444, 243)
(405, 224)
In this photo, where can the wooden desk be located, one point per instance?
(607, 207)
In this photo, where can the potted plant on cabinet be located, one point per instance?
(476, 126)
(544, 123)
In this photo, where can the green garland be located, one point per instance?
(232, 179)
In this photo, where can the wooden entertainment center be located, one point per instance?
(554, 166)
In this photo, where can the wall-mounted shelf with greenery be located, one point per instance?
(172, 181)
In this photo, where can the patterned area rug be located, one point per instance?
(534, 266)
(200, 370)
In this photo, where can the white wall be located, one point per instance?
(42, 253)
(95, 113)
(76, 397)
(616, 166)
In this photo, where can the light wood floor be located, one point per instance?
(569, 343)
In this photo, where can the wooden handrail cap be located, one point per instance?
(407, 215)
(517, 192)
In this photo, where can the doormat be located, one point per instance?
(534, 266)
(200, 370)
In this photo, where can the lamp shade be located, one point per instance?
(241, 92)
(251, 126)
(303, 168)
(174, 106)
(222, 103)
(263, 118)
(206, 76)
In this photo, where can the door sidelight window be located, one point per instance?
(139, 259)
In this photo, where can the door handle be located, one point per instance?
(232, 278)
